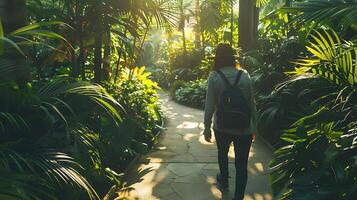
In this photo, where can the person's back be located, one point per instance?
(225, 63)
(218, 86)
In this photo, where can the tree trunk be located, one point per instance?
(81, 65)
(183, 24)
(106, 58)
(12, 14)
(77, 16)
(184, 42)
(98, 42)
(288, 4)
(97, 57)
(13, 17)
(232, 22)
(117, 66)
(248, 25)
(197, 28)
(203, 40)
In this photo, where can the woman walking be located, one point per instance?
(230, 98)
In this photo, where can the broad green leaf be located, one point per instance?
(317, 53)
(1, 36)
(1, 29)
(34, 27)
(4, 39)
(43, 33)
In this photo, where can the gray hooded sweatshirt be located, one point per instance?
(216, 87)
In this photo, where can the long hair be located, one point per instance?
(224, 57)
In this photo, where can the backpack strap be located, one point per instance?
(224, 78)
(239, 75)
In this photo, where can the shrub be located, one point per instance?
(286, 104)
(270, 61)
(45, 139)
(192, 93)
(190, 60)
(175, 86)
(161, 74)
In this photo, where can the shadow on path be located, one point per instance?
(183, 166)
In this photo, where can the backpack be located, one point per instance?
(233, 111)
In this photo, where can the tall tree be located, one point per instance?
(197, 27)
(107, 51)
(211, 19)
(183, 26)
(232, 21)
(248, 24)
(98, 42)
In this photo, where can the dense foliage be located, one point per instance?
(321, 150)
(316, 107)
(63, 138)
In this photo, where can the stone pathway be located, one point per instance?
(183, 166)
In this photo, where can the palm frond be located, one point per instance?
(261, 3)
(12, 121)
(48, 164)
(343, 12)
(212, 18)
(32, 30)
(331, 58)
(14, 186)
(96, 93)
(36, 26)
(162, 11)
(5, 40)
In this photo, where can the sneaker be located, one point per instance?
(222, 184)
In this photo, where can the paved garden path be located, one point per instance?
(183, 166)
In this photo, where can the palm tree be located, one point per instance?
(183, 6)
(211, 20)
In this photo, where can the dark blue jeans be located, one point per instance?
(242, 145)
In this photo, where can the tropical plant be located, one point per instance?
(142, 119)
(342, 13)
(270, 60)
(43, 134)
(289, 102)
(218, 22)
(192, 93)
(333, 58)
(38, 125)
(183, 7)
(30, 34)
(320, 160)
